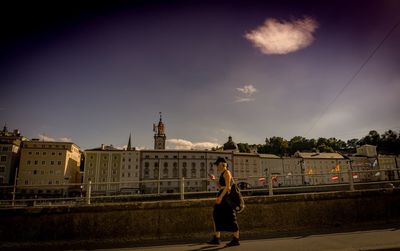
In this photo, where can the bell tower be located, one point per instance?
(159, 135)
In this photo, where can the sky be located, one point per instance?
(94, 73)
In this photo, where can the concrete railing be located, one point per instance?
(193, 218)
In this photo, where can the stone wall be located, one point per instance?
(193, 218)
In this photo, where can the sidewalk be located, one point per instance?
(371, 240)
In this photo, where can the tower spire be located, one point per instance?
(129, 147)
(159, 134)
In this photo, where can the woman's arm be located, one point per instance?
(212, 177)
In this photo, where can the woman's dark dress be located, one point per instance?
(224, 216)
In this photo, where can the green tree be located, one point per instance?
(279, 145)
(389, 143)
(298, 143)
(243, 147)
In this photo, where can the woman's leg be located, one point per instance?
(216, 233)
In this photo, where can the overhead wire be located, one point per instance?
(354, 76)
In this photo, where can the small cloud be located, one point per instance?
(187, 145)
(283, 37)
(241, 100)
(247, 89)
(65, 139)
(43, 137)
(140, 148)
(121, 147)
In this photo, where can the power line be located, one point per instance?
(354, 76)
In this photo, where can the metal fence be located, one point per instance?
(112, 192)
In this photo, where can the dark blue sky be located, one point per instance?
(95, 73)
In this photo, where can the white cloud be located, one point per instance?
(43, 137)
(282, 37)
(65, 139)
(186, 144)
(247, 89)
(241, 100)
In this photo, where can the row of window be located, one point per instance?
(45, 153)
(43, 162)
(3, 158)
(42, 172)
(6, 148)
(49, 146)
(174, 172)
(175, 157)
(42, 182)
(2, 169)
(175, 164)
(115, 158)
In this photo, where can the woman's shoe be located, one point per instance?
(214, 241)
(234, 242)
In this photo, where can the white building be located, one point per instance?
(112, 170)
(166, 167)
(324, 168)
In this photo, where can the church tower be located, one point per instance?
(159, 135)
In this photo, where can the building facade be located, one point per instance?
(162, 170)
(10, 149)
(48, 167)
(112, 170)
(367, 150)
(324, 168)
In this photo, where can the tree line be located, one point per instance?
(387, 143)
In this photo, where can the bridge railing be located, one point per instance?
(164, 188)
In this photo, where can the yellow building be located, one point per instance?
(10, 149)
(49, 165)
(112, 170)
(388, 167)
(367, 150)
(324, 168)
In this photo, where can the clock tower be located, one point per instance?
(159, 135)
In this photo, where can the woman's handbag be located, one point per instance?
(235, 199)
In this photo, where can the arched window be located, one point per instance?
(184, 164)
(202, 164)
(165, 164)
(146, 172)
(155, 172)
(184, 172)
(202, 172)
(165, 172)
(146, 164)
(193, 172)
(175, 172)
(193, 165)
(175, 164)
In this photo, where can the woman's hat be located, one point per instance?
(219, 160)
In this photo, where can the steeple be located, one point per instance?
(129, 147)
(5, 128)
(159, 134)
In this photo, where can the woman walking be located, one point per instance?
(224, 216)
